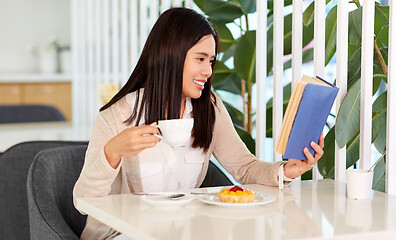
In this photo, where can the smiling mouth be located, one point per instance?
(201, 83)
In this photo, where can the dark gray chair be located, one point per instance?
(215, 177)
(50, 184)
(51, 179)
(14, 168)
(29, 113)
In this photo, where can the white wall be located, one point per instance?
(27, 24)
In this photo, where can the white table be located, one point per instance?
(307, 209)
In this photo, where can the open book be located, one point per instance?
(306, 114)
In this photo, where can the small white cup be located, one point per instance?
(176, 132)
(359, 183)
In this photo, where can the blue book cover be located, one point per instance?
(311, 116)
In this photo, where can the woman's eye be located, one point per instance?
(201, 59)
(212, 61)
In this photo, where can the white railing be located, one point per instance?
(261, 73)
(342, 79)
(319, 51)
(391, 110)
(366, 84)
(277, 72)
(109, 35)
(341, 76)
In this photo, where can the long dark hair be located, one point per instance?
(159, 71)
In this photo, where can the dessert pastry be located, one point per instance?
(236, 195)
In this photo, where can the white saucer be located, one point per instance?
(165, 201)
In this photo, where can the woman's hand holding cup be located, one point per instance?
(131, 142)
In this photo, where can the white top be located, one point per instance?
(172, 170)
(98, 178)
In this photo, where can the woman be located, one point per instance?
(171, 80)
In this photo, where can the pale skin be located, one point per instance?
(197, 69)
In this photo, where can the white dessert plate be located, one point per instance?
(260, 199)
(164, 201)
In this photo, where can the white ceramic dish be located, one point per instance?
(164, 201)
(261, 198)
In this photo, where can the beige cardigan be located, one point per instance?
(98, 178)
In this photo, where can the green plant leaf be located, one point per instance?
(287, 34)
(379, 176)
(229, 53)
(246, 138)
(354, 57)
(379, 131)
(377, 66)
(270, 38)
(248, 6)
(308, 15)
(355, 27)
(382, 37)
(307, 175)
(245, 57)
(377, 79)
(226, 79)
(226, 38)
(235, 114)
(270, 3)
(200, 4)
(379, 121)
(353, 80)
(348, 119)
(381, 26)
(326, 162)
(269, 105)
(384, 53)
(307, 56)
(308, 34)
(381, 18)
(287, 45)
(220, 11)
(380, 103)
(221, 73)
(270, 18)
(352, 155)
(331, 34)
(352, 150)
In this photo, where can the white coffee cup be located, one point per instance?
(359, 183)
(176, 132)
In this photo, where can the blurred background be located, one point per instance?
(35, 71)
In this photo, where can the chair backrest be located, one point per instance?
(14, 168)
(215, 177)
(51, 179)
(29, 113)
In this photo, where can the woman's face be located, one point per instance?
(198, 67)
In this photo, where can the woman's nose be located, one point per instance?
(207, 70)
